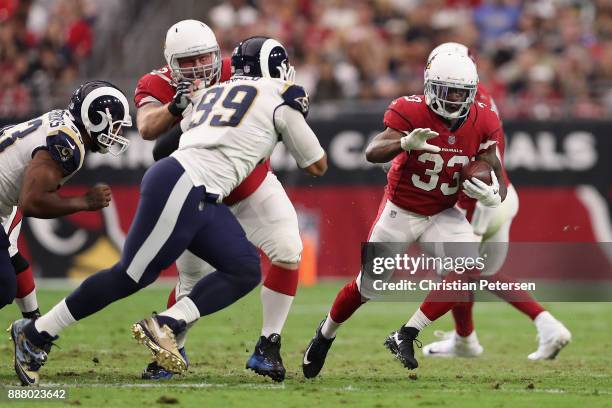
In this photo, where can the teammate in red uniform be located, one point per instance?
(492, 227)
(429, 137)
(259, 203)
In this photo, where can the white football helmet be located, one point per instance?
(189, 38)
(449, 47)
(451, 81)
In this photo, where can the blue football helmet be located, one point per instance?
(262, 57)
(102, 110)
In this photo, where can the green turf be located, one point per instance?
(359, 371)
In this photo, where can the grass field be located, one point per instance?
(100, 364)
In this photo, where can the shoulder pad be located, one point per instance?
(66, 148)
(297, 97)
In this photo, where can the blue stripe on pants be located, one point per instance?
(172, 216)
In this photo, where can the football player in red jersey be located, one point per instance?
(430, 138)
(492, 227)
(259, 203)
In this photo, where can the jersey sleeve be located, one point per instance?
(296, 97)
(396, 115)
(493, 131)
(66, 149)
(153, 87)
(297, 136)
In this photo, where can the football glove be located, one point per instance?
(417, 140)
(485, 194)
(182, 98)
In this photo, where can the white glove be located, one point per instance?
(287, 72)
(478, 190)
(417, 140)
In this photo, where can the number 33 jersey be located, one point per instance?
(235, 125)
(427, 183)
(54, 132)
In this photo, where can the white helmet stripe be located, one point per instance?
(264, 55)
(105, 90)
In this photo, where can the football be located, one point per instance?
(479, 169)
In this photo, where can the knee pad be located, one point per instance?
(286, 248)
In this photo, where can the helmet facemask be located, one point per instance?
(209, 73)
(437, 98)
(110, 139)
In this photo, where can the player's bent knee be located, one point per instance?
(248, 275)
(287, 250)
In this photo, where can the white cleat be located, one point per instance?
(552, 335)
(453, 345)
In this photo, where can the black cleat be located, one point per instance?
(266, 359)
(31, 350)
(314, 356)
(401, 344)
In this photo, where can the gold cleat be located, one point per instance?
(162, 343)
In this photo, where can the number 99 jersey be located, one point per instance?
(428, 183)
(55, 132)
(233, 127)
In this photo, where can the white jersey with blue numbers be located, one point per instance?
(55, 132)
(235, 125)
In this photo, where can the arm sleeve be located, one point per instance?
(494, 132)
(299, 138)
(167, 143)
(64, 149)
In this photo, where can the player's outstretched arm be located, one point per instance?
(384, 146)
(300, 140)
(39, 198)
(154, 118)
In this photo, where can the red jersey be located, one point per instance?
(428, 183)
(157, 86)
(483, 96)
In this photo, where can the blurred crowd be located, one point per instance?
(541, 59)
(42, 45)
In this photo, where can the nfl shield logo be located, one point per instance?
(451, 139)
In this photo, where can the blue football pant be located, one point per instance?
(174, 215)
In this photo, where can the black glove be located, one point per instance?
(182, 98)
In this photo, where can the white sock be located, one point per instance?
(276, 307)
(329, 328)
(28, 303)
(543, 319)
(55, 320)
(418, 320)
(184, 309)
